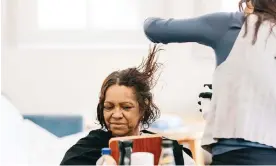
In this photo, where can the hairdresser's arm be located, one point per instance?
(207, 29)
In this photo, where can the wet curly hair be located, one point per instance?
(142, 79)
(265, 10)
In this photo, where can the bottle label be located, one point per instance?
(167, 160)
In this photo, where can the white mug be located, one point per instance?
(142, 158)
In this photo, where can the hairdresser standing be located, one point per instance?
(240, 127)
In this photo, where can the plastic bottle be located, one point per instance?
(125, 148)
(106, 158)
(167, 157)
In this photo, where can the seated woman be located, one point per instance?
(125, 107)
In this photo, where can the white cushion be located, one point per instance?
(38, 141)
(13, 142)
(25, 143)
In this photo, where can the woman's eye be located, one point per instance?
(108, 107)
(127, 108)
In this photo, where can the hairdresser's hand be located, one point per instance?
(204, 99)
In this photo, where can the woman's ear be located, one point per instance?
(141, 115)
(143, 112)
(147, 101)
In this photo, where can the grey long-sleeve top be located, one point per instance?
(217, 30)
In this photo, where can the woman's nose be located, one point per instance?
(117, 113)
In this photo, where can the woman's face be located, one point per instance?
(121, 111)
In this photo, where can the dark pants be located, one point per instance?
(247, 156)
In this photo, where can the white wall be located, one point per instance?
(67, 81)
(0, 44)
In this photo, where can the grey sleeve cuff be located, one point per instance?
(147, 27)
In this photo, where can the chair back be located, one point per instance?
(195, 146)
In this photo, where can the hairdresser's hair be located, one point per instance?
(142, 80)
(265, 10)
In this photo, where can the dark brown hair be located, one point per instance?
(140, 78)
(265, 11)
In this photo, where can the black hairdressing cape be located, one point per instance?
(88, 149)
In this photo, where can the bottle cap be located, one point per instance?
(167, 143)
(106, 151)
